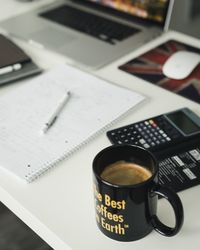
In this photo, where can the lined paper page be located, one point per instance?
(94, 104)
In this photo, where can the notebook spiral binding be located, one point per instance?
(97, 105)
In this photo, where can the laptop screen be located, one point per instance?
(150, 10)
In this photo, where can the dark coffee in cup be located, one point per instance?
(126, 190)
(125, 173)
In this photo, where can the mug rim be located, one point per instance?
(130, 185)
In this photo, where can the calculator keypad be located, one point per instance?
(149, 133)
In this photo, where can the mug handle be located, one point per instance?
(177, 206)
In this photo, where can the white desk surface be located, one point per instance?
(59, 205)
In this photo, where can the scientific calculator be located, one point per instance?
(174, 138)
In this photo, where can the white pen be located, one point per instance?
(10, 68)
(57, 111)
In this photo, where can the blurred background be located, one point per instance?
(186, 17)
(14, 234)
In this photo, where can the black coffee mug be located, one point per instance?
(128, 212)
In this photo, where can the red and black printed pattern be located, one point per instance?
(149, 67)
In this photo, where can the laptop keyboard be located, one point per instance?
(93, 25)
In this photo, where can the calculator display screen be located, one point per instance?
(183, 122)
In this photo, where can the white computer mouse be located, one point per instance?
(181, 64)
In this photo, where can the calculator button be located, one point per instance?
(116, 138)
(143, 133)
(142, 141)
(146, 145)
(168, 139)
(151, 121)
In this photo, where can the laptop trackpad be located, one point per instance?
(53, 37)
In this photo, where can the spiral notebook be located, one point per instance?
(93, 106)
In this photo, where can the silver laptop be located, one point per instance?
(92, 33)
